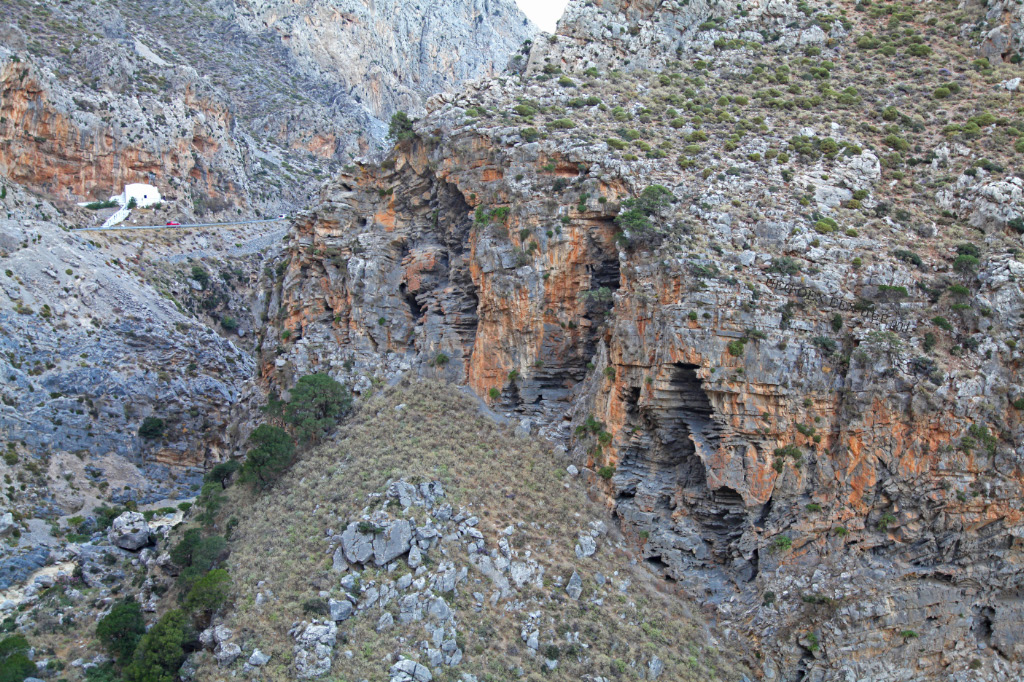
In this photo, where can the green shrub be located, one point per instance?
(98, 205)
(886, 521)
(941, 92)
(195, 552)
(317, 403)
(966, 264)
(826, 344)
(896, 142)
(270, 456)
(152, 428)
(785, 265)
(160, 652)
(561, 124)
(736, 347)
(208, 594)
(782, 543)
(200, 275)
(400, 127)
(120, 630)
(15, 664)
(606, 472)
(908, 257)
(222, 472)
(636, 213)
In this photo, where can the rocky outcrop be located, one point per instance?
(796, 386)
(1003, 32)
(65, 146)
(129, 531)
(392, 55)
(226, 107)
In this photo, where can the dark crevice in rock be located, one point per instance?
(982, 626)
(415, 309)
(662, 483)
(659, 567)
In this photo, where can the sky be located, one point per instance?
(544, 13)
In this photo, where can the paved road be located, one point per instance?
(176, 227)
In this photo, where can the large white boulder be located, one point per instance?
(129, 531)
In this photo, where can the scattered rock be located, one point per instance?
(575, 586)
(227, 653)
(258, 658)
(129, 531)
(586, 546)
(408, 670)
(341, 609)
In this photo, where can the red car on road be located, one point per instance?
(172, 223)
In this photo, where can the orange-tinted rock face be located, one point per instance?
(81, 157)
(773, 430)
(716, 454)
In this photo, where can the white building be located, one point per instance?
(144, 195)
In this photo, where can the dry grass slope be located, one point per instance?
(430, 431)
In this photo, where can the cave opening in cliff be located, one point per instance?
(415, 309)
(662, 469)
(982, 625)
(659, 567)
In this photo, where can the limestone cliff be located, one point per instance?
(227, 107)
(763, 281)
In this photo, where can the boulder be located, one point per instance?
(129, 531)
(358, 547)
(341, 609)
(386, 622)
(6, 524)
(654, 668)
(227, 653)
(258, 658)
(575, 587)
(586, 546)
(408, 670)
(392, 543)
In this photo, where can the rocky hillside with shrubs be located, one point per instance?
(759, 266)
(686, 348)
(227, 107)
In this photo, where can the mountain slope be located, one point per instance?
(757, 262)
(225, 106)
(496, 524)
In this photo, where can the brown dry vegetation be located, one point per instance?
(439, 435)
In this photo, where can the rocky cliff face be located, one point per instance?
(90, 351)
(392, 55)
(226, 107)
(764, 281)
